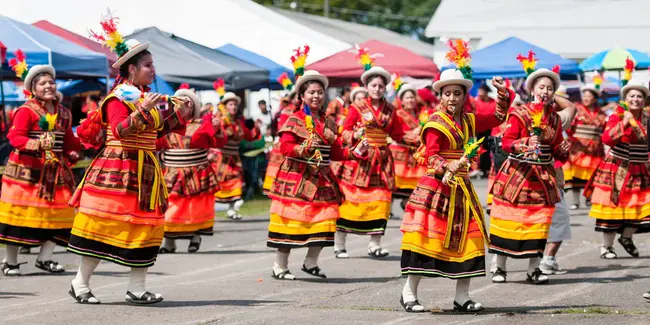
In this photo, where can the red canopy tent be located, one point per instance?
(79, 40)
(343, 68)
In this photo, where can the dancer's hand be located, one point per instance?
(358, 134)
(533, 141)
(627, 118)
(499, 83)
(150, 101)
(454, 166)
(362, 147)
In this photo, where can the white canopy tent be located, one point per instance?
(212, 23)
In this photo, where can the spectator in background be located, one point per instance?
(263, 118)
(207, 108)
(483, 104)
(341, 104)
(92, 104)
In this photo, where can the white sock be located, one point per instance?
(137, 281)
(462, 291)
(608, 239)
(548, 258)
(375, 242)
(12, 254)
(501, 261)
(533, 263)
(311, 259)
(81, 282)
(281, 262)
(169, 243)
(46, 251)
(576, 196)
(339, 240)
(410, 291)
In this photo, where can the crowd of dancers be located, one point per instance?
(163, 161)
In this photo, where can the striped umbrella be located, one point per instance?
(614, 59)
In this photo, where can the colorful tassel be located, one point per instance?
(19, 65)
(298, 59)
(220, 87)
(598, 81)
(629, 67)
(397, 82)
(472, 147)
(285, 81)
(366, 59)
(458, 54)
(111, 37)
(47, 122)
(537, 115)
(528, 63)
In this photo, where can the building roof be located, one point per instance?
(354, 33)
(572, 28)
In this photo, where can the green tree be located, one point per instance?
(409, 17)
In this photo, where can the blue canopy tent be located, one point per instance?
(41, 47)
(275, 70)
(500, 60)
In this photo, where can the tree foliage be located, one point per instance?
(409, 17)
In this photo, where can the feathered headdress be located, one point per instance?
(285, 81)
(19, 65)
(598, 81)
(366, 59)
(184, 86)
(110, 36)
(397, 82)
(458, 54)
(529, 62)
(220, 87)
(629, 67)
(298, 59)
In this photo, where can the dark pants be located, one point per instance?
(254, 167)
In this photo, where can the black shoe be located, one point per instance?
(629, 246)
(411, 306)
(468, 307)
(86, 298)
(147, 298)
(537, 277)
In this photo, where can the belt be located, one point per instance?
(545, 156)
(324, 152)
(184, 157)
(58, 138)
(635, 153)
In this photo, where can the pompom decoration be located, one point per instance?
(220, 87)
(298, 60)
(19, 65)
(366, 59)
(110, 37)
(537, 115)
(598, 81)
(309, 119)
(629, 67)
(47, 122)
(556, 70)
(458, 54)
(309, 124)
(397, 82)
(354, 85)
(184, 86)
(472, 147)
(621, 109)
(89, 130)
(508, 83)
(528, 62)
(285, 81)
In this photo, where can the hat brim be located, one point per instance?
(438, 85)
(592, 89)
(629, 87)
(404, 89)
(131, 53)
(357, 90)
(530, 80)
(191, 95)
(375, 71)
(35, 71)
(316, 77)
(226, 99)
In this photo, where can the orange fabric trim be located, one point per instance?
(119, 207)
(627, 200)
(190, 209)
(505, 211)
(365, 195)
(26, 194)
(309, 213)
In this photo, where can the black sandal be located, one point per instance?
(147, 298)
(534, 278)
(164, 250)
(194, 246)
(6, 268)
(315, 271)
(283, 275)
(378, 253)
(408, 306)
(467, 307)
(84, 298)
(606, 252)
(49, 266)
(629, 246)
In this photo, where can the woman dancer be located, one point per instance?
(122, 200)
(585, 137)
(525, 190)
(191, 181)
(368, 184)
(230, 173)
(37, 182)
(620, 187)
(443, 226)
(305, 195)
